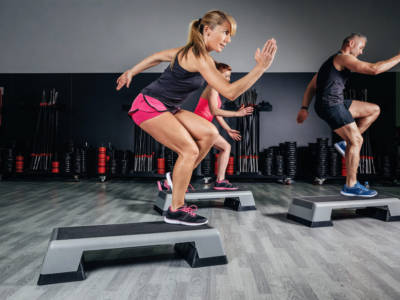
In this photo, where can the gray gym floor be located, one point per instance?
(269, 256)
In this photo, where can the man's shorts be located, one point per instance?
(336, 115)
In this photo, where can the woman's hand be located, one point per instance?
(245, 111)
(125, 79)
(265, 57)
(234, 134)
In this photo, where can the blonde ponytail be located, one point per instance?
(195, 36)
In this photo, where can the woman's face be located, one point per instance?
(216, 39)
(227, 74)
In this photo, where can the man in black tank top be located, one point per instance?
(328, 85)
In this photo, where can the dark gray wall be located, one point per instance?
(398, 99)
(93, 111)
(284, 91)
(104, 36)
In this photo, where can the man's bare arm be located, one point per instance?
(355, 65)
(307, 98)
(310, 91)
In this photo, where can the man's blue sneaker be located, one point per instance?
(341, 147)
(358, 190)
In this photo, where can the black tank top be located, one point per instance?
(331, 83)
(174, 85)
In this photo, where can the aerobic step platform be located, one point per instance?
(200, 245)
(237, 200)
(316, 211)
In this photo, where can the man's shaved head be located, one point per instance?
(353, 36)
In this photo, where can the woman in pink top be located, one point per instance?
(209, 106)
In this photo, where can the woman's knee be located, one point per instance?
(211, 133)
(226, 147)
(190, 152)
(214, 132)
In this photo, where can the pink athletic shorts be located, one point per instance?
(142, 110)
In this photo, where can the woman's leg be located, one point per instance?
(223, 158)
(167, 130)
(203, 132)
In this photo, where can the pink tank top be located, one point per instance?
(203, 109)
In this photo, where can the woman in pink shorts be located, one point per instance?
(209, 106)
(157, 108)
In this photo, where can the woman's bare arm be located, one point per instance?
(150, 61)
(264, 59)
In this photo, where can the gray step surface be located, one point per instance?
(200, 245)
(239, 200)
(316, 211)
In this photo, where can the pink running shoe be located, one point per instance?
(185, 215)
(163, 185)
(224, 185)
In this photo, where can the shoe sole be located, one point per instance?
(225, 189)
(337, 147)
(170, 221)
(354, 195)
(169, 179)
